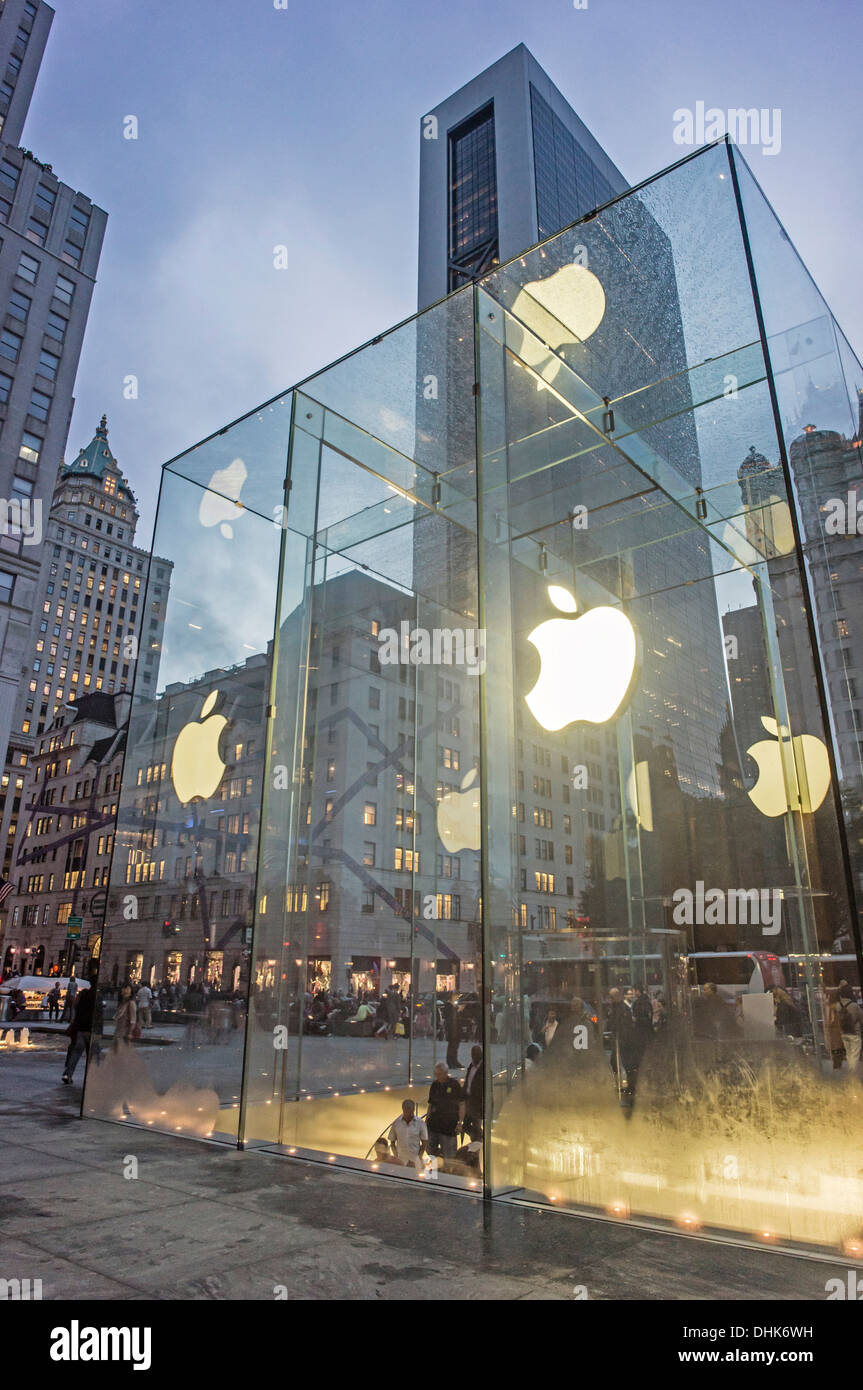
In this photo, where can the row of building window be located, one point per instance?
(15, 60)
(41, 214)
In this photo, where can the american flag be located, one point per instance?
(5, 889)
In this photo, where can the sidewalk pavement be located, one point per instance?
(205, 1222)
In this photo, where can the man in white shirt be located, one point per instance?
(409, 1137)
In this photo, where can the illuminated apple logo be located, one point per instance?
(459, 823)
(196, 766)
(573, 295)
(563, 309)
(220, 504)
(586, 664)
(810, 754)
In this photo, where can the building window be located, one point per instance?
(369, 854)
(56, 327)
(30, 449)
(79, 220)
(64, 290)
(5, 387)
(37, 231)
(568, 183)
(473, 234)
(9, 174)
(10, 344)
(370, 813)
(28, 268)
(19, 306)
(48, 364)
(7, 586)
(44, 200)
(71, 253)
(40, 404)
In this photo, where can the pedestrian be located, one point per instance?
(787, 1018)
(79, 1031)
(832, 1029)
(451, 1031)
(659, 1012)
(473, 1092)
(642, 1020)
(409, 1137)
(17, 1004)
(144, 1005)
(126, 1029)
(69, 1002)
(624, 1048)
(53, 1002)
(444, 1109)
(850, 1019)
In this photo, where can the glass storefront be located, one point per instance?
(508, 727)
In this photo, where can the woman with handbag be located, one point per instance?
(126, 1030)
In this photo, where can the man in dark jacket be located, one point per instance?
(624, 1048)
(472, 1103)
(442, 1120)
(79, 1031)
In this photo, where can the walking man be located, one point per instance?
(79, 1031)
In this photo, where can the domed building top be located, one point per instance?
(753, 463)
(97, 462)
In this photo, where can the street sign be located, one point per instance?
(73, 928)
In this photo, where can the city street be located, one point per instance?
(202, 1221)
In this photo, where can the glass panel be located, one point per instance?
(658, 736)
(183, 871)
(818, 383)
(372, 817)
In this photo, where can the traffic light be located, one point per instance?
(170, 928)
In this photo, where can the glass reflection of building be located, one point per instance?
(587, 854)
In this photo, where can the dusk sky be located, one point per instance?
(260, 127)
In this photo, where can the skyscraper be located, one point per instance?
(504, 163)
(507, 163)
(50, 243)
(90, 629)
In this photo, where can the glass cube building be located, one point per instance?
(511, 695)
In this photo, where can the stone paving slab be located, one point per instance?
(205, 1222)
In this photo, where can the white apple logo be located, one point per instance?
(810, 755)
(563, 309)
(586, 666)
(196, 766)
(459, 823)
(217, 508)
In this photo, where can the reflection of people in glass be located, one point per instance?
(451, 1030)
(125, 1021)
(548, 1031)
(833, 1029)
(642, 1017)
(850, 1018)
(711, 1017)
(620, 1026)
(787, 1018)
